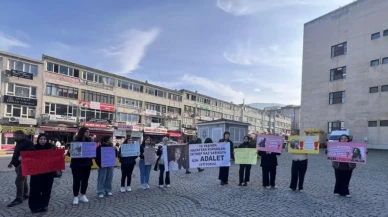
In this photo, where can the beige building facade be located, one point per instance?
(345, 67)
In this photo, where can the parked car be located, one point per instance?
(170, 142)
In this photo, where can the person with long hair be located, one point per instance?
(41, 184)
(105, 174)
(343, 173)
(356, 154)
(80, 168)
(162, 167)
(127, 166)
(245, 168)
(223, 175)
(145, 170)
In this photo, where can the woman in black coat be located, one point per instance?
(269, 162)
(223, 175)
(245, 169)
(41, 184)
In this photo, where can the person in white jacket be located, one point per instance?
(162, 167)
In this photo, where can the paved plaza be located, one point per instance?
(199, 194)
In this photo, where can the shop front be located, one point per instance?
(98, 129)
(6, 140)
(188, 134)
(156, 134)
(175, 136)
(59, 128)
(133, 131)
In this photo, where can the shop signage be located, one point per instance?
(150, 130)
(8, 135)
(11, 129)
(150, 112)
(20, 74)
(94, 125)
(97, 105)
(27, 121)
(63, 118)
(97, 85)
(189, 132)
(58, 129)
(20, 100)
(124, 126)
(174, 134)
(121, 133)
(56, 76)
(136, 134)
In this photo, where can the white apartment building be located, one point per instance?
(345, 72)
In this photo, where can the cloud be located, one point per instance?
(257, 90)
(247, 7)
(8, 42)
(131, 48)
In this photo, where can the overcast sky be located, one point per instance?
(228, 49)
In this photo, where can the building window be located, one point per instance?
(384, 60)
(59, 109)
(375, 36)
(21, 90)
(384, 123)
(339, 49)
(89, 96)
(61, 91)
(89, 114)
(172, 110)
(373, 89)
(125, 117)
(156, 107)
(20, 111)
(189, 109)
(372, 123)
(337, 125)
(64, 70)
(130, 86)
(127, 102)
(22, 66)
(175, 97)
(173, 123)
(155, 92)
(374, 62)
(385, 32)
(237, 134)
(338, 73)
(337, 97)
(384, 88)
(93, 77)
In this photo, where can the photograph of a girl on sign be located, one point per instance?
(356, 154)
(176, 157)
(262, 142)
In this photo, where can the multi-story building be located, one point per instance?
(21, 90)
(345, 65)
(292, 112)
(278, 123)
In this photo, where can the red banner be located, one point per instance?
(97, 105)
(42, 161)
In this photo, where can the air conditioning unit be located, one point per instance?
(13, 119)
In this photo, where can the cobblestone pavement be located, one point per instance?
(199, 194)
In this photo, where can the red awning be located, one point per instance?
(175, 134)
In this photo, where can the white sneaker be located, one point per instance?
(168, 186)
(101, 196)
(336, 194)
(129, 188)
(122, 189)
(275, 187)
(161, 186)
(348, 196)
(83, 199)
(143, 186)
(267, 187)
(148, 186)
(75, 201)
(109, 194)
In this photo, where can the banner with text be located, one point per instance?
(108, 156)
(177, 157)
(245, 156)
(149, 156)
(83, 150)
(42, 161)
(269, 143)
(130, 150)
(209, 155)
(303, 144)
(347, 152)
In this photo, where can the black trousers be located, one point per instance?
(80, 179)
(223, 175)
(269, 176)
(342, 180)
(298, 171)
(21, 184)
(40, 190)
(244, 168)
(161, 174)
(126, 174)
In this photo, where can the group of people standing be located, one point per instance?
(41, 184)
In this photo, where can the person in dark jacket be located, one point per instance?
(22, 144)
(80, 168)
(127, 166)
(162, 167)
(41, 184)
(245, 167)
(145, 170)
(195, 140)
(269, 162)
(105, 174)
(223, 175)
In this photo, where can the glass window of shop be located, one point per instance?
(60, 109)
(88, 96)
(61, 91)
(21, 90)
(97, 114)
(20, 111)
(22, 66)
(125, 117)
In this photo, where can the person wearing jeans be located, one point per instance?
(298, 171)
(127, 166)
(269, 162)
(162, 167)
(145, 170)
(105, 174)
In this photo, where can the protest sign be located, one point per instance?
(245, 156)
(177, 157)
(83, 150)
(164, 158)
(209, 155)
(347, 152)
(149, 156)
(130, 150)
(303, 144)
(42, 161)
(108, 156)
(269, 143)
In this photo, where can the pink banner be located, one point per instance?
(269, 143)
(347, 152)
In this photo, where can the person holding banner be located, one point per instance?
(145, 169)
(195, 140)
(105, 173)
(41, 184)
(80, 168)
(245, 168)
(269, 162)
(127, 166)
(223, 175)
(162, 167)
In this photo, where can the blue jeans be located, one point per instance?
(104, 181)
(145, 171)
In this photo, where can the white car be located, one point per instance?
(169, 142)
